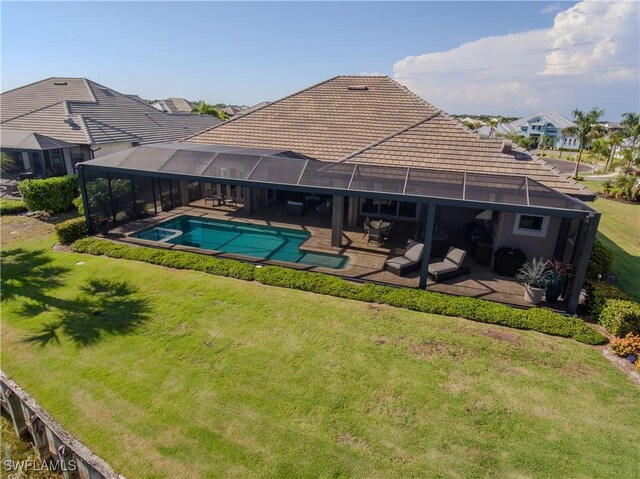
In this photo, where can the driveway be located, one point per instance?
(567, 166)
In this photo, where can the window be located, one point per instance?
(531, 225)
(388, 208)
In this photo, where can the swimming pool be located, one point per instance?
(266, 242)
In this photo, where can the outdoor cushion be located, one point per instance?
(442, 267)
(456, 256)
(399, 261)
(414, 251)
(451, 262)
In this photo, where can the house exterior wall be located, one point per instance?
(532, 246)
(535, 129)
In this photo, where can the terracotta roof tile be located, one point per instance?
(385, 124)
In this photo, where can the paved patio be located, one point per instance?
(366, 259)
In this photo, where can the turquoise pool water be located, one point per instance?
(266, 242)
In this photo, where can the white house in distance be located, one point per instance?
(50, 125)
(534, 126)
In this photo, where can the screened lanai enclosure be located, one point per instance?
(440, 208)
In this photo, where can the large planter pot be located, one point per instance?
(533, 295)
(555, 288)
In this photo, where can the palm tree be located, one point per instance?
(615, 140)
(205, 109)
(631, 124)
(599, 146)
(6, 161)
(586, 128)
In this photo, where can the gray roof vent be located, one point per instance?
(506, 146)
(358, 87)
(60, 83)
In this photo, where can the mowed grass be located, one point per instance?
(619, 231)
(170, 373)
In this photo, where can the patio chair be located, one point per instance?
(377, 235)
(409, 261)
(366, 227)
(450, 267)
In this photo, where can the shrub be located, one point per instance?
(599, 293)
(169, 258)
(623, 347)
(620, 317)
(600, 262)
(52, 194)
(306, 281)
(71, 230)
(77, 202)
(12, 207)
(537, 319)
(626, 187)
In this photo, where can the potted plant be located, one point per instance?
(535, 274)
(560, 271)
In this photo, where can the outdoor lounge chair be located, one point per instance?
(450, 267)
(408, 262)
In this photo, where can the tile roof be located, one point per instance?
(27, 140)
(384, 123)
(81, 111)
(174, 105)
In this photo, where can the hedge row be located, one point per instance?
(613, 309)
(55, 195)
(537, 319)
(599, 293)
(599, 263)
(12, 207)
(169, 258)
(71, 230)
(620, 317)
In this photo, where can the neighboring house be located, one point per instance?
(611, 127)
(538, 124)
(254, 107)
(232, 111)
(174, 105)
(50, 125)
(328, 145)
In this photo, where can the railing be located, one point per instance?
(52, 443)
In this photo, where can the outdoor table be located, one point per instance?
(380, 225)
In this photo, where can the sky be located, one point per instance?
(507, 58)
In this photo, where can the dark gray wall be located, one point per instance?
(532, 246)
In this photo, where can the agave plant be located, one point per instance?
(535, 273)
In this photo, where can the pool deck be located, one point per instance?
(366, 259)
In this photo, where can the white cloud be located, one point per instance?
(589, 55)
(552, 8)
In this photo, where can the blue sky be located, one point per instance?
(245, 52)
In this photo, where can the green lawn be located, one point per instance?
(170, 373)
(619, 230)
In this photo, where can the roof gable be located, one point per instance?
(82, 111)
(327, 121)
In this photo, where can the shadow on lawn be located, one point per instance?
(102, 307)
(625, 267)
